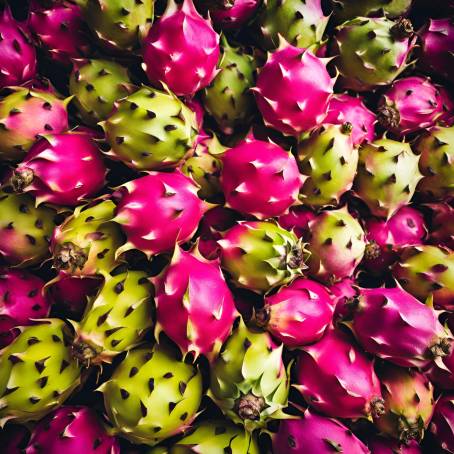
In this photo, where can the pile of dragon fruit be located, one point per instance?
(227, 226)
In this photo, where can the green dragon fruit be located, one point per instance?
(25, 230)
(261, 255)
(437, 162)
(387, 176)
(116, 320)
(228, 98)
(152, 395)
(151, 130)
(96, 85)
(329, 159)
(248, 380)
(87, 242)
(37, 372)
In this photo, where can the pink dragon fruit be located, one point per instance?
(72, 430)
(336, 378)
(60, 29)
(381, 445)
(181, 42)
(316, 434)
(442, 425)
(297, 220)
(437, 44)
(293, 90)
(345, 108)
(298, 314)
(442, 225)
(233, 14)
(394, 325)
(260, 178)
(410, 104)
(44, 171)
(343, 293)
(194, 306)
(21, 301)
(174, 211)
(18, 62)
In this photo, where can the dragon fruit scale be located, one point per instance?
(18, 63)
(195, 289)
(336, 378)
(181, 42)
(150, 130)
(293, 90)
(174, 212)
(443, 422)
(232, 14)
(72, 430)
(152, 395)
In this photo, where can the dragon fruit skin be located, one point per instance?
(44, 170)
(18, 62)
(297, 220)
(413, 336)
(60, 29)
(343, 294)
(181, 42)
(345, 108)
(381, 445)
(72, 430)
(21, 300)
(194, 306)
(235, 14)
(443, 423)
(338, 379)
(441, 371)
(316, 434)
(293, 90)
(442, 225)
(260, 178)
(447, 117)
(298, 314)
(172, 198)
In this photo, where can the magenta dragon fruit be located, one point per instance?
(316, 434)
(63, 169)
(232, 14)
(18, 62)
(442, 425)
(410, 104)
(297, 220)
(381, 445)
(174, 212)
(345, 108)
(343, 293)
(59, 28)
(298, 314)
(21, 301)
(293, 90)
(260, 178)
(194, 306)
(181, 42)
(336, 378)
(394, 325)
(72, 430)
(442, 225)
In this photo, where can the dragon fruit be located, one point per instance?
(25, 114)
(447, 117)
(300, 23)
(344, 295)
(443, 422)
(181, 42)
(72, 430)
(344, 10)
(297, 220)
(336, 378)
(437, 43)
(428, 270)
(196, 106)
(249, 382)
(37, 373)
(413, 336)
(441, 371)
(261, 255)
(232, 14)
(410, 104)
(387, 176)
(442, 225)
(260, 178)
(409, 403)
(336, 245)
(316, 434)
(382, 445)
(21, 301)
(293, 90)
(298, 314)
(344, 108)
(18, 63)
(44, 170)
(59, 28)
(150, 130)
(152, 395)
(25, 230)
(329, 160)
(373, 52)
